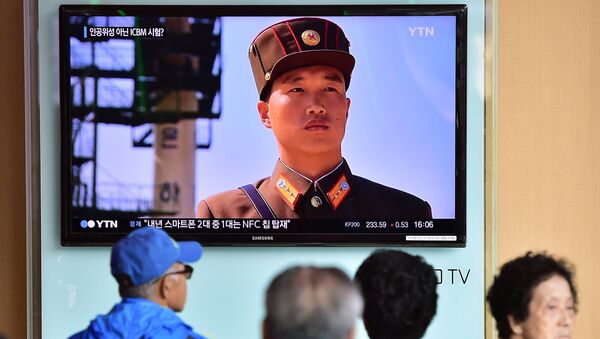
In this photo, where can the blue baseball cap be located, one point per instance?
(147, 253)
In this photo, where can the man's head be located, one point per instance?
(149, 264)
(302, 68)
(311, 303)
(296, 43)
(399, 292)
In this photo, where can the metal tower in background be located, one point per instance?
(166, 90)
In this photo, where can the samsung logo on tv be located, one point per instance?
(262, 237)
(98, 224)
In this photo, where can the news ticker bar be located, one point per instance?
(420, 230)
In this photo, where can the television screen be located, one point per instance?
(239, 125)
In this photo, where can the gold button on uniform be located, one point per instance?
(316, 201)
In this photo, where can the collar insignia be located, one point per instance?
(287, 191)
(338, 192)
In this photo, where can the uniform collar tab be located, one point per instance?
(292, 185)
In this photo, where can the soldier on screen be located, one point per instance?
(302, 69)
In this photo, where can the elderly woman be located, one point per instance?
(534, 297)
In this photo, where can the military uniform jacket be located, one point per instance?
(337, 194)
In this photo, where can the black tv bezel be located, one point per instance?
(68, 238)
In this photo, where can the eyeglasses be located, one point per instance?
(187, 272)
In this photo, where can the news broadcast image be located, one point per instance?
(208, 138)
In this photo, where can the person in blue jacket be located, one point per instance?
(151, 270)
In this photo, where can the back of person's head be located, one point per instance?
(513, 288)
(311, 303)
(144, 256)
(399, 292)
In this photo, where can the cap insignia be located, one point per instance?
(310, 37)
(338, 192)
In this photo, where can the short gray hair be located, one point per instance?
(146, 290)
(305, 302)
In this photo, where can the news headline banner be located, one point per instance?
(91, 32)
(436, 231)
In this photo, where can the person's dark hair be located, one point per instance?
(512, 289)
(305, 302)
(399, 292)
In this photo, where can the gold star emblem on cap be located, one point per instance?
(310, 37)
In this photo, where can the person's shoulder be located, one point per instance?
(387, 191)
(163, 322)
(177, 331)
(79, 335)
(222, 205)
(176, 328)
(401, 201)
(225, 197)
(228, 204)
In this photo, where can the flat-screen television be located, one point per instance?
(162, 125)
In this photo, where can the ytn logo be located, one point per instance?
(421, 31)
(98, 224)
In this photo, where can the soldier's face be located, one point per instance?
(307, 110)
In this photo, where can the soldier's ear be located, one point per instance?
(263, 112)
(347, 106)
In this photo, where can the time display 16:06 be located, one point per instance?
(416, 224)
(396, 224)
